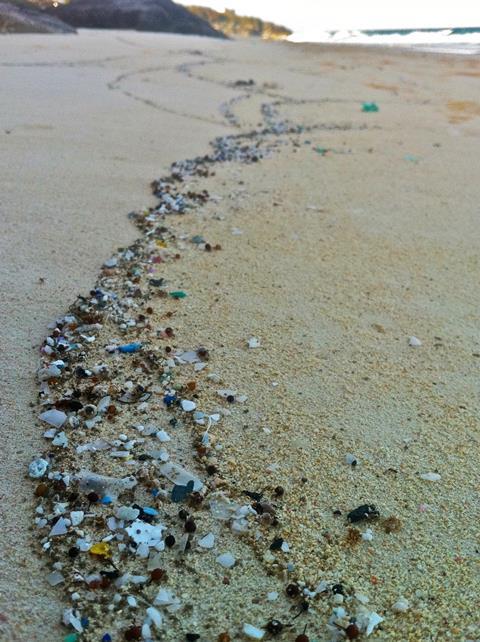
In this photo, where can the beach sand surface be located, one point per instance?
(336, 249)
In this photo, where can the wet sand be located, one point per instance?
(343, 255)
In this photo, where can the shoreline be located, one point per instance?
(242, 115)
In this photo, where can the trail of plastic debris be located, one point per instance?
(109, 501)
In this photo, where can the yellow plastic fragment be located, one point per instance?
(102, 549)
(161, 244)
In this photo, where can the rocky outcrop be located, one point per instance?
(231, 24)
(20, 17)
(140, 15)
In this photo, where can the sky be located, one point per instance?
(304, 15)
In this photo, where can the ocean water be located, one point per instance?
(457, 40)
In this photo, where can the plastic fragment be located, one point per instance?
(155, 615)
(208, 541)
(127, 513)
(373, 621)
(76, 517)
(70, 619)
(129, 347)
(370, 107)
(367, 536)
(188, 405)
(180, 476)
(431, 476)
(253, 342)
(143, 533)
(60, 527)
(253, 632)
(38, 468)
(226, 560)
(53, 417)
(179, 493)
(55, 578)
(60, 439)
(103, 485)
(414, 342)
(102, 549)
(365, 511)
(178, 294)
(401, 605)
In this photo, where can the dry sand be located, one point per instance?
(341, 259)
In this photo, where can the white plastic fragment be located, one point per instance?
(188, 405)
(226, 560)
(272, 596)
(208, 541)
(401, 605)
(53, 417)
(351, 460)
(76, 517)
(60, 439)
(155, 615)
(71, 619)
(253, 632)
(60, 527)
(55, 578)
(367, 536)
(143, 533)
(180, 476)
(104, 485)
(430, 476)
(414, 342)
(373, 620)
(253, 342)
(38, 468)
(163, 436)
(127, 513)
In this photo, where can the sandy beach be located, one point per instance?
(348, 255)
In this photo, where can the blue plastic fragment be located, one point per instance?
(149, 511)
(107, 638)
(179, 493)
(168, 400)
(155, 492)
(129, 347)
(106, 500)
(84, 622)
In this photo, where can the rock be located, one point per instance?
(141, 15)
(20, 17)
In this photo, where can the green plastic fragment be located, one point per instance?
(71, 637)
(178, 294)
(370, 107)
(321, 150)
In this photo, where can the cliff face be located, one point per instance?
(232, 24)
(141, 15)
(19, 17)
